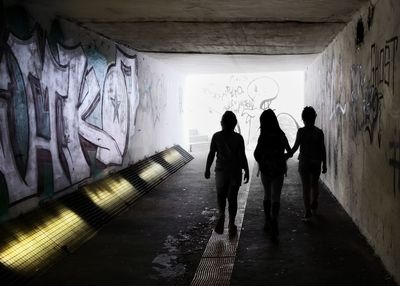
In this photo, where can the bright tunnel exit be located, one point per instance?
(208, 96)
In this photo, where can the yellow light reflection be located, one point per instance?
(151, 172)
(34, 244)
(34, 248)
(102, 197)
(126, 190)
(171, 156)
(111, 193)
(67, 228)
(27, 252)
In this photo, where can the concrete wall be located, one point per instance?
(75, 106)
(355, 88)
(159, 118)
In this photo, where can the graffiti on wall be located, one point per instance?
(394, 162)
(154, 100)
(383, 64)
(335, 109)
(246, 98)
(46, 104)
(340, 109)
(367, 95)
(289, 125)
(366, 102)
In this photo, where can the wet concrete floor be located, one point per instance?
(161, 239)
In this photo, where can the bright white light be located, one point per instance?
(208, 96)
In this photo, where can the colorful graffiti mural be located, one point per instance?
(56, 113)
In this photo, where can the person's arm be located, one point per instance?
(323, 154)
(296, 143)
(289, 152)
(210, 157)
(245, 165)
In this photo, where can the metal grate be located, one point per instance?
(214, 271)
(216, 264)
(34, 241)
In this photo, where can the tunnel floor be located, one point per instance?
(160, 241)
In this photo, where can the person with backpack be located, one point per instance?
(271, 158)
(310, 139)
(231, 160)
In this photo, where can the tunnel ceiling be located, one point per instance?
(270, 27)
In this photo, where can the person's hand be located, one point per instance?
(246, 177)
(324, 169)
(207, 174)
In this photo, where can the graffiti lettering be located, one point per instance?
(339, 109)
(45, 106)
(383, 64)
(395, 163)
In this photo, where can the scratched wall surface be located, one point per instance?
(160, 108)
(355, 87)
(69, 102)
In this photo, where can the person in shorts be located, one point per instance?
(231, 160)
(310, 139)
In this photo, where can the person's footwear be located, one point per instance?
(219, 227)
(232, 230)
(307, 216)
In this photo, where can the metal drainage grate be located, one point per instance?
(216, 264)
(34, 241)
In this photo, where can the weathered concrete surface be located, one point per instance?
(355, 90)
(329, 250)
(208, 10)
(212, 64)
(220, 27)
(272, 38)
(160, 240)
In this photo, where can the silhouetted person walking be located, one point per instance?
(271, 158)
(310, 139)
(231, 159)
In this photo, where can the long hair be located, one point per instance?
(269, 122)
